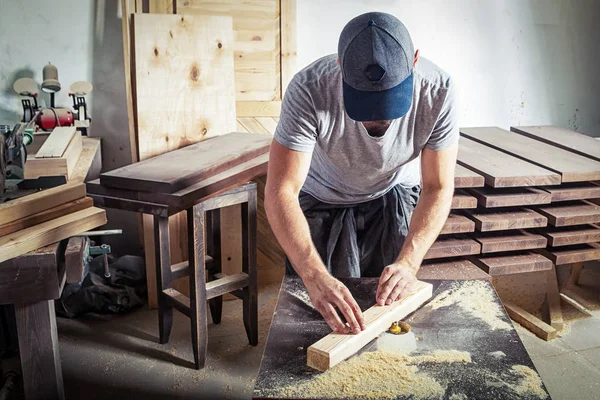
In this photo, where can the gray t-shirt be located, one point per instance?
(348, 165)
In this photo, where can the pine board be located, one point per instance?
(56, 144)
(513, 263)
(564, 138)
(500, 169)
(571, 235)
(572, 167)
(500, 220)
(509, 197)
(465, 178)
(495, 242)
(576, 213)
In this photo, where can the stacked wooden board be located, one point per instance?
(46, 217)
(536, 209)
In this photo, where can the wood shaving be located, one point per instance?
(459, 396)
(530, 383)
(475, 298)
(378, 375)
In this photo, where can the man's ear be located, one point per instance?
(416, 58)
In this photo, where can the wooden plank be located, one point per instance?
(72, 153)
(513, 263)
(89, 165)
(570, 235)
(509, 197)
(452, 247)
(457, 224)
(178, 169)
(35, 203)
(258, 108)
(57, 142)
(573, 254)
(74, 254)
(52, 231)
(451, 270)
(46, 215)
(335, 348)
(39, 138)
(573, 191)
(501, 169)
(461, 200)
(576, 213)
(495, 242)
(564, 138)
(288, 42)
(529, 321)
(268, 123)
(161, 6)
(499, 220)
(127, 9)
(65, 165)
(465, 178)
(252, 125)
(572, 167)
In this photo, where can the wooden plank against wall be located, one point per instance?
(128, 8)
(509, 197)
(500, 220)
(465, 178)
(564, 138)
(501, 169)
(572, 167)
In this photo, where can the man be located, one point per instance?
(361, 169)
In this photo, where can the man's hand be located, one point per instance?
(328, 294)
(396, 282)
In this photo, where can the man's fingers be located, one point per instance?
(396, 293)
(333, 319)
(407, 289)
(385, 275)
(356, 309)
(386, 289)
(345, 308)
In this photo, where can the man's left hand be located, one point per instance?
(397, 281)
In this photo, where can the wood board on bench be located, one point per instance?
(505, 219)
(500, 169)
(179, 169)
(502, 241)
(572, 213)
(510, 197)
(564, 138)
(570, 235)
(571, 166)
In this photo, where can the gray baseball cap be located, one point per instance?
(377, 57)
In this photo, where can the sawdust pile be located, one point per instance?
(475, 298)
(378, 375)
(458, 396)
(530, 383)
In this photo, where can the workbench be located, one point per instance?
(297, 325)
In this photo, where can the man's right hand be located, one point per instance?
(328, 294)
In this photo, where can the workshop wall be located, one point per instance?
(516, 62)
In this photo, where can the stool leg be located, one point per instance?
(213, 220)
(249, 266)
(163, 277)
(197, 259)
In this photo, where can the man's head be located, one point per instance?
(377, 58)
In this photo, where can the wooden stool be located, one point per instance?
(242, 285)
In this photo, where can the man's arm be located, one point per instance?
(286, 175)
(399, 279)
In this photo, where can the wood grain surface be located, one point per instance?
(452, 246)
(57, 142)
(499, 220)
(495, 242)
(573, 254)
(462, 200)
(573, 191)
(509, 197)
(466, 178)
(457, 224)
(451, 270)
(570, 235)
(513, 263)
(564, 138)
(573, 213)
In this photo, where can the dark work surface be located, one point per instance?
(296, 325)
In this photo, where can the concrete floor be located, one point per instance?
(119, 357)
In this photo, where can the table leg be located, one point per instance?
(250, 298)
(213, 220)
(38, 348)
(163, 276)
(197, 262)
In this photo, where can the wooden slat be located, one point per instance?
(529, 321)
(46, 215)
(226, 284)
(495, 242)
(564, 138)
(462, 200)
(89, 165)
(178, 300)
(509, 197)
(458, 224)
(466, 178)
(570, 235)
(498, 220)
(572, 167)
(451, 270)
(127, 9)
(178, 169)
(452, 247)
(268, 123)
(48, 232)
(335, 348)
(501, 169)
(288, 42)
(573, 191)
(35, 203)
(252, 125)
(573, 254)
(57, 142)
(577, 213)
(512, 263)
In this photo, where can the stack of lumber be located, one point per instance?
(46, 217)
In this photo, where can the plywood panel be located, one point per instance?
(501, 169)
(564, 138)
(572, 167)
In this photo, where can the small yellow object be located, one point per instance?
(399, 328)
(395, 329)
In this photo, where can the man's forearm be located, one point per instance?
(293, 233)
(426, 224)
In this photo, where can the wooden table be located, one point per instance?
(296, 325)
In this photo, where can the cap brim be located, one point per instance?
(377, 106)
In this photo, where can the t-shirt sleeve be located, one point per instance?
(446, 132)
(297, 127)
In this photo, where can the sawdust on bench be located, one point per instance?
(475, 298)
(530, 382)
(378, 375)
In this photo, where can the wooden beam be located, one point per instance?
(553, 299)
(36, 167)
(529, 321)
(452, 247)
(461, 200)
(572, 254)
(573, 191)
(335, 348)
(570, 235)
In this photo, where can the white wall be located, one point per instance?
(515, 61)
